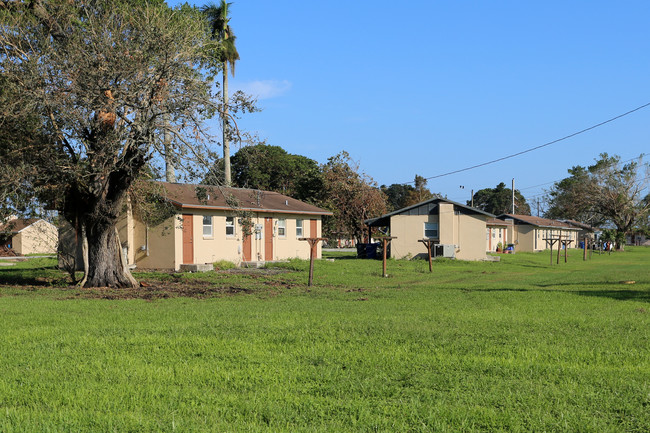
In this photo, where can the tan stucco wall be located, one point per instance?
(525, 236)
(158, 242)
(408, 229)
(447, 226)
(165, 242)
(39, 238)
(466, 232)
(289, 246)
(230, 248)
(470, 230)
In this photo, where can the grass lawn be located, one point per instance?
(518, 345)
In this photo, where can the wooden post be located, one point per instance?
(584, 253)
(566, 244)
(552, 241)
(385, 240)
(429, 243)
(559, 247)
(312, 247)
(313, 243)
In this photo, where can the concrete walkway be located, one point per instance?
(27, 257)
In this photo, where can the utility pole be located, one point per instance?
(537, 207)
(472, 198)
(513, 195)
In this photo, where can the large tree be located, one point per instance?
(85, 86)
(499, 200)
(607, 192)
(570, 198)
(219, 18)
(352, 196)
(272, 168)
(397, 195)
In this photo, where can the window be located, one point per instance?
(282, 227)
(207, 226)
(230, 226)
(431, 230)
(298, 228)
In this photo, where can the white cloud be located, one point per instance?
(265, 89)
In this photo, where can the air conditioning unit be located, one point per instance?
(446, 250)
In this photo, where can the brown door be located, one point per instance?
(248, 248)
(188, 239)
(313, 228)
(268, 238)
(490, 239)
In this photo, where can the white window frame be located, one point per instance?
(282, 228)
(299, 228)
(230, 226)
(431, 227)
(209, 226)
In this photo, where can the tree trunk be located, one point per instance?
(226, 141)
(106, 263)
(170, 173)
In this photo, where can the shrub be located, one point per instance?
(223, 265)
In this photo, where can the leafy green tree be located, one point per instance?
(420, 192)
(219, 19)
(570, 198)
(272, 168)
(84, 88)
(397, 195)
(607, 192)
(499, 200)
(351, 195)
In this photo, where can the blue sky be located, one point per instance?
(427, 87)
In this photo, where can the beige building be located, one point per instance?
(29, 236)
(529, 233)
(458, 229)
(496, 232)
(211, 228)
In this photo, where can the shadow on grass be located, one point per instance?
(620, 295)
(28, 277)
(340, 257)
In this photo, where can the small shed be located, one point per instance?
(29, 236)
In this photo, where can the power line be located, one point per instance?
(536, 147)
(543, 193)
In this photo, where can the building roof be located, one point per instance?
(580, 225)
(423, 208)
(186, 196)
(17, 225)
(537, 221)
(496, 222)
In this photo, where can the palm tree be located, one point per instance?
(221, 32)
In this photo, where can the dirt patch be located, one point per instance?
(152, 290)
(256, 271)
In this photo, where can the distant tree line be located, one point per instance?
(609, 194)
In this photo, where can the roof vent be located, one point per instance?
(286, 202)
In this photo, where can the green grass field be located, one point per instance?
(518, 345)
